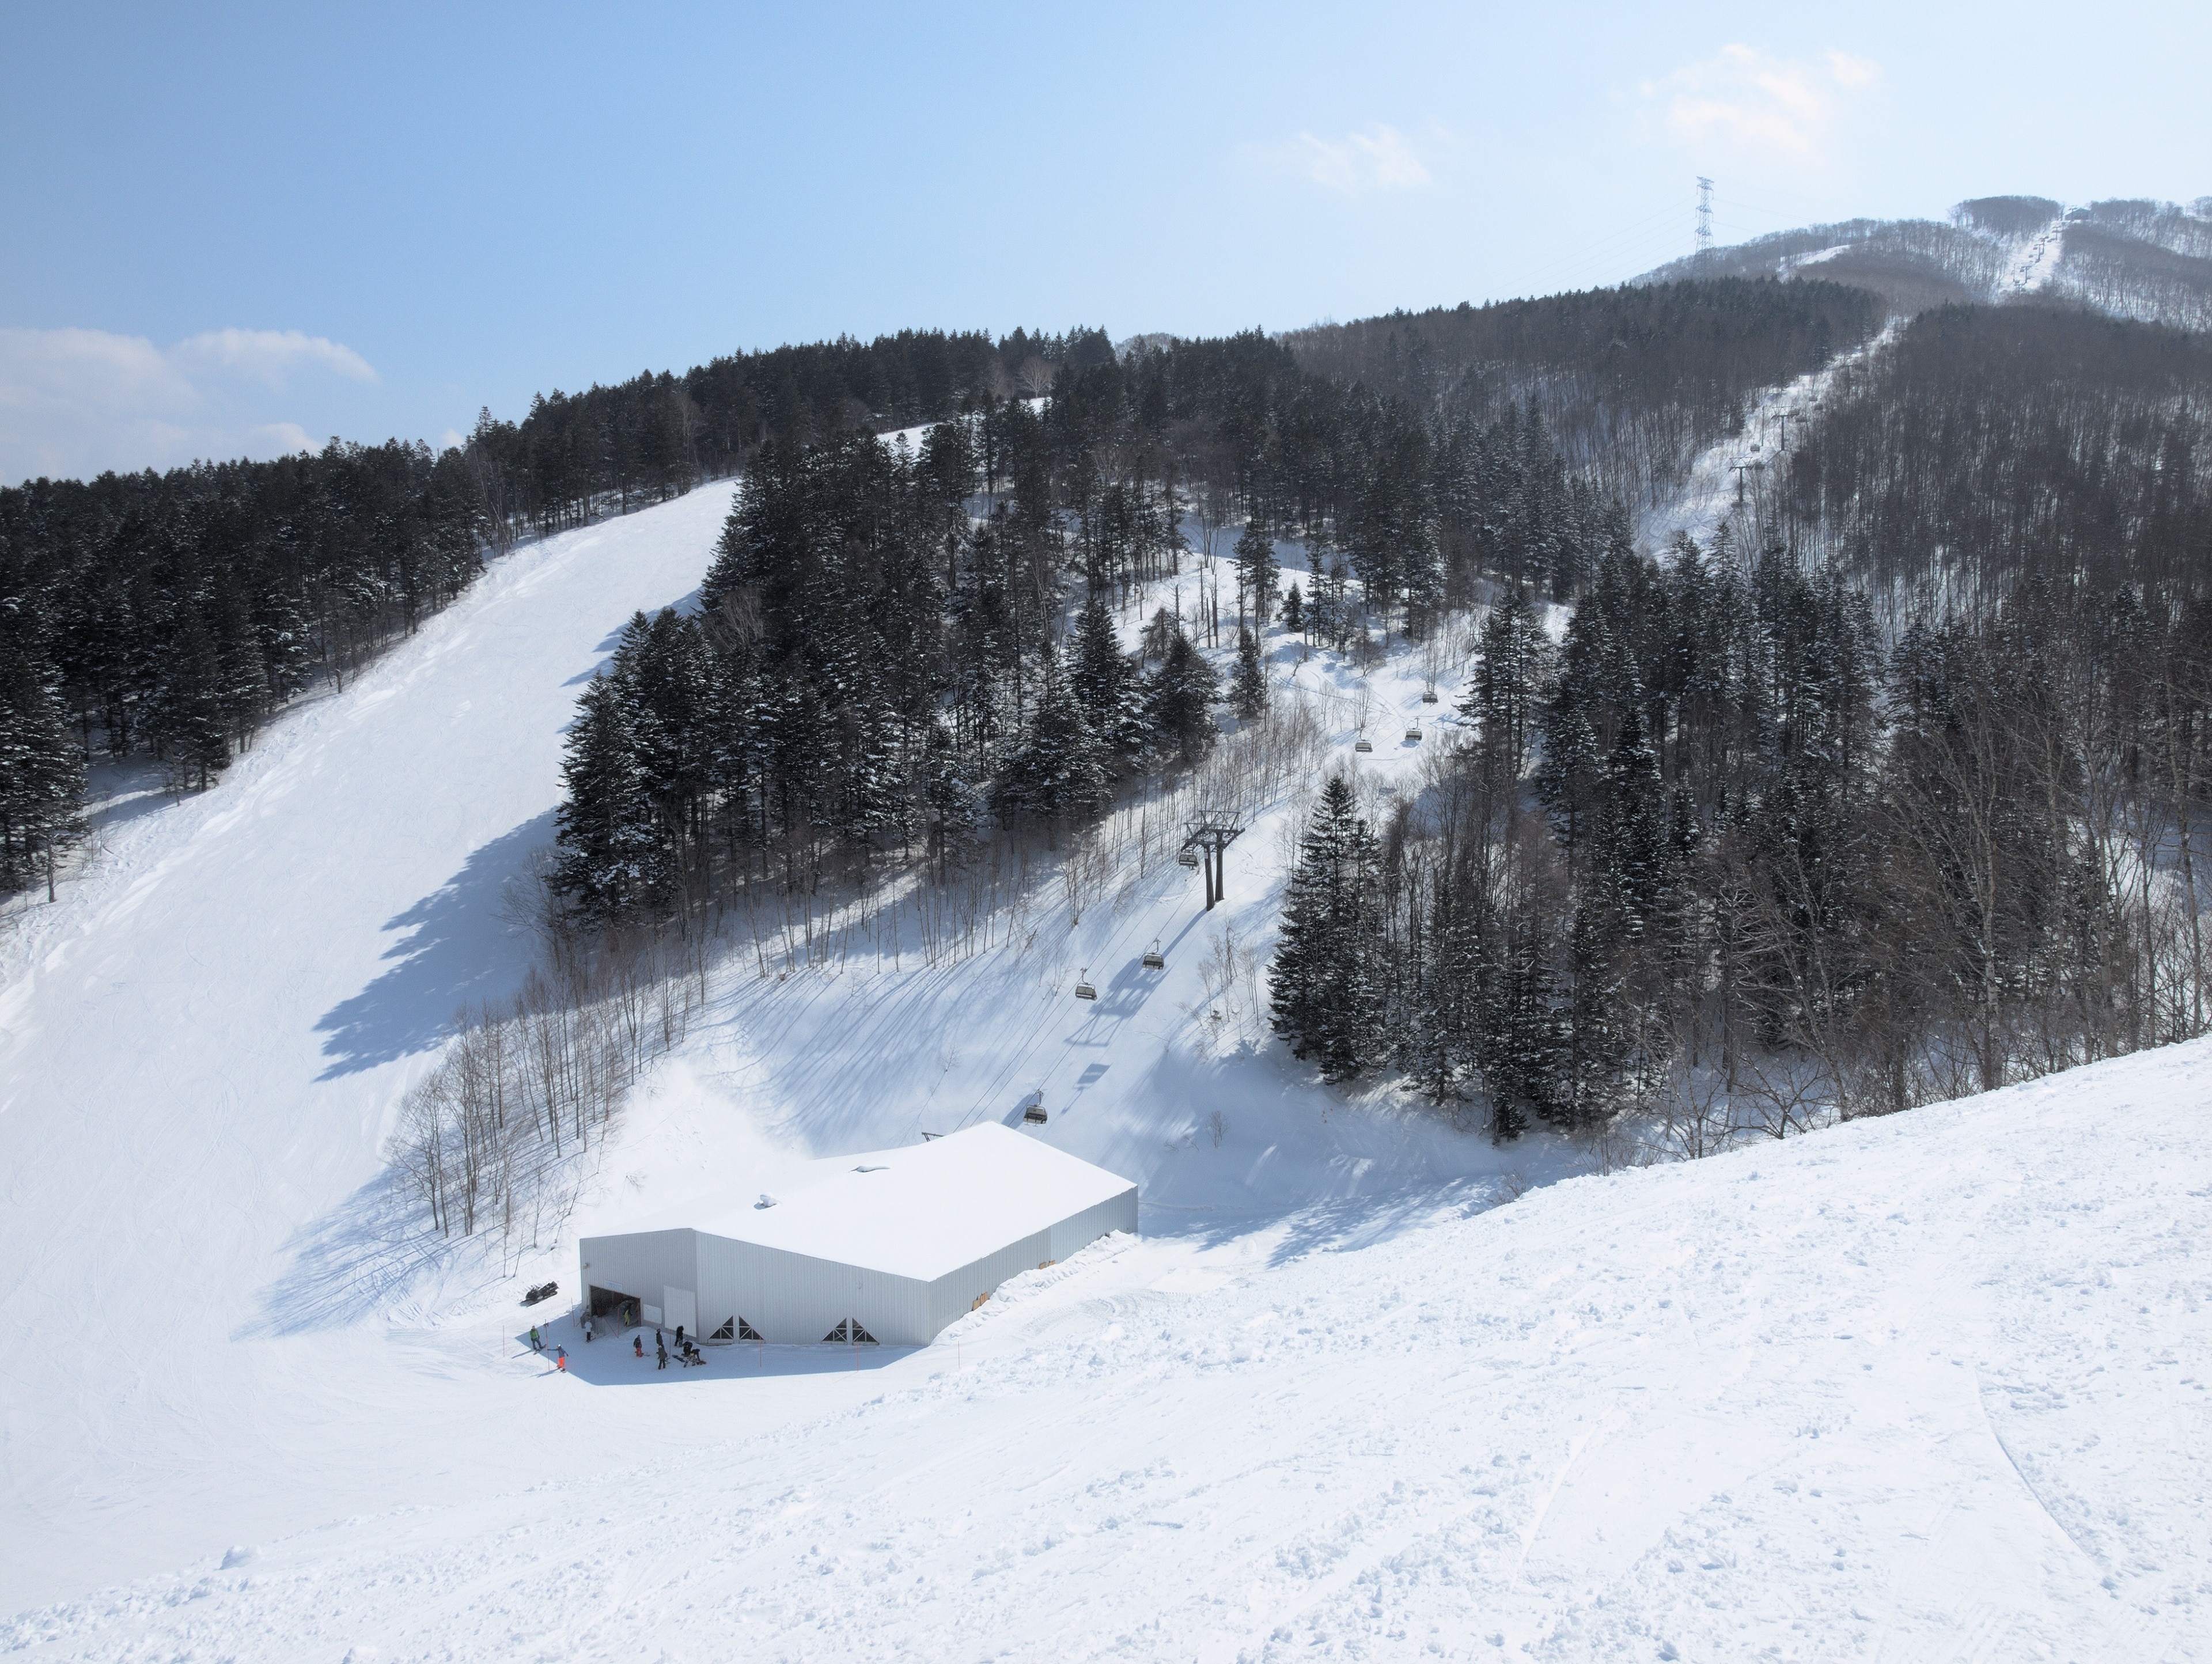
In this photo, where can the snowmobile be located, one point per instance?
(541, 1291)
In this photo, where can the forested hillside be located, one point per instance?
(171, 614)
(1742, 852)
(1990, 446)
(1632, 381)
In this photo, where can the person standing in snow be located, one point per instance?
(659, 1350)
(536, 1345)
(638, 1341)
(561, 1359)
(588, 1332)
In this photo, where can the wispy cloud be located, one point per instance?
(75, 401)
(269, 356)
(1356, 164)
(1746, 98)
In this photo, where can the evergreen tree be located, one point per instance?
(1294, 609)
(190, 723)
(1321, 992)
(612, 859)
(1452, 986)
(954, 804)
(1519, 1049)
(1179, 701)
(1255, 574)
(1056, 772)
(1248, 688)
(41, 771)
(1503, 695)
(1104, 680)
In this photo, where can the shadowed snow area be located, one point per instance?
(1926, 1387)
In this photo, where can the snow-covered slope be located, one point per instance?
(1345, 1393)
(1709, 494)
(2131, 258)
(1929, 1387)
(222, 1331)
(200, 1049)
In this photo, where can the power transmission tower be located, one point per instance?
(1704, 215)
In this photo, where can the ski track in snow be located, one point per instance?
(1926, 1387)
(1709, 496)
(2035, 261)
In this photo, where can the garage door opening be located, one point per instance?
(612, 1306)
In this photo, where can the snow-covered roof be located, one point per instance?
(917, 1211)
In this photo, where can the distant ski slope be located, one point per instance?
(1929, 1387)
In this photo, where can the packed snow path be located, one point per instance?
(200, 1046)
(1926, 1387)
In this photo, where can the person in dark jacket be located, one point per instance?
(638, 1341)
(659, 1351)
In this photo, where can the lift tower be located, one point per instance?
(1211, 833)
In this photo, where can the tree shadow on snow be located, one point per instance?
(1345, 1223)
(347, 1264)
(683, 608)
(451, 955)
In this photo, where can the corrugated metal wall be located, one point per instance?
(1081, 1230)
(641, 1264)
(796, 1298)
(953, 1294)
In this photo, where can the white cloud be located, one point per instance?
(74, 401)
(1747, 99)
(1353, 166)
(269, 356)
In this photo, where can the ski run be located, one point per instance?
(1929, 1386)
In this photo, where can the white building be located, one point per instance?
(889, 1247)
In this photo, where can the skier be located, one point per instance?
(638, 1341)
(561, 1359)
(659, 1351)
(536, 1345)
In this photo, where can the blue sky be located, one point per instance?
(233, 229)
